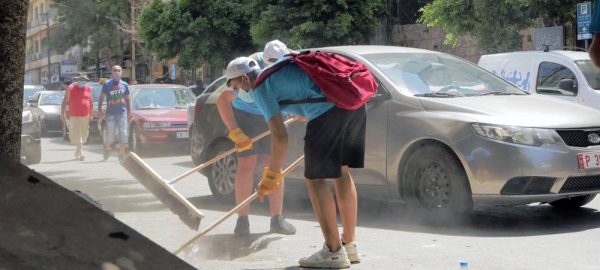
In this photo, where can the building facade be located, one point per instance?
(42, 63)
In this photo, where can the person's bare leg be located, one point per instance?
(345, 191)
(122, 148)
(324, 207)
(244, 181)
(276, 197)
(78, 148)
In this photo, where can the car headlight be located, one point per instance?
(519, 135)
(27, 117)
(156, 124)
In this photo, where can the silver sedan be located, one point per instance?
(443, 135)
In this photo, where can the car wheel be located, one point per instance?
(221, 177)
(435, 186)
(66, 132)
(573, 202)
(134, 141)
(195, 146)
(33, 156)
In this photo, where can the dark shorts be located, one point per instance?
(253, 125)
(335, 139)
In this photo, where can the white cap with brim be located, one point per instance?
(239, 67)
(274, 50)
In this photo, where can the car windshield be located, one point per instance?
(159, 98)
(427, 74)
(591, 73)
(96, 90)
(52, 98)
(29, 92)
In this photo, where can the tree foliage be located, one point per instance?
(495, 25)
(315, 23)
(197, 31)
(91, 23)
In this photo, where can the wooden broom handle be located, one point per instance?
(237, 208)
(222, 155)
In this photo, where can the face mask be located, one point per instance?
(117, 74)
(81, 84)
(246, 96)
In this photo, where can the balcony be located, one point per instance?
(40, 59)
(37, 25)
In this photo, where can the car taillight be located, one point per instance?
(197, 109)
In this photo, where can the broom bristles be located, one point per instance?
(161, 193)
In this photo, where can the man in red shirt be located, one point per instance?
(81, 112)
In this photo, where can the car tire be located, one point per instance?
(33, 156)
(221, 174)
(573, 202)
(134, 141)
(435, 186)
(195, 148)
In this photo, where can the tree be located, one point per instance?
(89, 23)
(495, 25)
(13, 18)
(315, 23)
(197, 31)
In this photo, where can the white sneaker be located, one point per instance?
(326, 259)
(352, 251)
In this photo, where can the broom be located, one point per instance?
(237, 208)
(166, 193)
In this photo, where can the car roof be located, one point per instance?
(51, 92)
(157, 85)
(30, 86)
(567, 55)
(373, 49)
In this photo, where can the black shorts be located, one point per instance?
(335, 139)
(253, 125)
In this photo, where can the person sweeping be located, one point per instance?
(334, 141)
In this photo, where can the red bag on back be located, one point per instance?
(345, 83)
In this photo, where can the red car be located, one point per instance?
(159, 116)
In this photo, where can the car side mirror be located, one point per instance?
(568, 85)
(32, 102)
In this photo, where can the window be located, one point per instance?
(217, 85)
(550, 77)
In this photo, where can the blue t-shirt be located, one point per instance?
(289, 83)
(245, 106)
(115, 96)
(595, 24)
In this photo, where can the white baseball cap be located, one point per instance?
(274, 50)
(240, 66)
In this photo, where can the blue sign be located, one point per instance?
(173, 77)
(68, 68)
(584, 18)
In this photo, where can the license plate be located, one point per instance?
(588, 161)
(182, 135)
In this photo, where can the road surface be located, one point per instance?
(523, 237)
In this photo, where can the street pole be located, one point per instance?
(133, 41)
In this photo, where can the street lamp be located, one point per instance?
(47, 15)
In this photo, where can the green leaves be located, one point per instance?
(217, 31)
(198, 31)
(314, 23)
(494, 25)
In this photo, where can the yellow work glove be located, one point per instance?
(300, 118)
(269, 183)
(240, 139)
